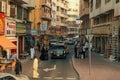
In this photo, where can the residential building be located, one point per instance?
(104, 15)
(16, 19)
(54, 18)
(73, 15)
(61, 26)
(84, 17)
(41, 17)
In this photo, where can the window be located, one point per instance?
(117, 1)
(12, 11)
(19, 12)
(98, 3)
(106, 1)
(25, 16)
(91, 5)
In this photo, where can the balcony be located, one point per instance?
(46, 4)
(62, 14)
(30, 4)
(59, 23)
(46, 16)
(84, 12)
(18, 1)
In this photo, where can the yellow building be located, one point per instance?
(41, 16)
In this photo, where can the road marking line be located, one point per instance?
(71, 78)
(47, 77)
(59, 78)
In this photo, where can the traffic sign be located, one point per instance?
(89, 37)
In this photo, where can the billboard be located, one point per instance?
(2, 23)
(44, 26)
(10, 27)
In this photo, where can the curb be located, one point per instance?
(72, 60)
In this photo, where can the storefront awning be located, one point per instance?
(6, 43)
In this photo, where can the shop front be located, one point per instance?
(10, 32)
(20, 33)
(7, 45)
(101, 39)
(7, 29)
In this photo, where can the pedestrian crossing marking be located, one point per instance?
(59, 78)
(71, 78)
(47, 77)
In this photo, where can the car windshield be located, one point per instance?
(58, 47)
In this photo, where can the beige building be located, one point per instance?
(104, 15)
(41, 16)
(73, 13)
(61, 17)
(84, 17)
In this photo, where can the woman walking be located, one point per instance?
(35, 68)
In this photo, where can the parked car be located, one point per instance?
(59, 51)
(8, 76)
(52, 42)
(70, 42)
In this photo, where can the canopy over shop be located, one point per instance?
(6, 44)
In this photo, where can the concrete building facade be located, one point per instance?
(16, 13)
(104, 15)
(84, 17)
(73, 15)
(61, 17)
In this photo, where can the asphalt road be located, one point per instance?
(58, 69)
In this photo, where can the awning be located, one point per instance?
(6, 43)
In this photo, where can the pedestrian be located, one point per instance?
(86, 48)
(35, 68)
(32, 52)
(18, 67)
(75, 50)
(38, 45)
(4, 53)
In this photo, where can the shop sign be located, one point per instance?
(2, 23)
(10, 29)
(44, 26)
(20, 28)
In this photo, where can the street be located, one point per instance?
(58, 69)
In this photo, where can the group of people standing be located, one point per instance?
(81, 49)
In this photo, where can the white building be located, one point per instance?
(73, 13)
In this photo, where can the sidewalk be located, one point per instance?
(101, 69)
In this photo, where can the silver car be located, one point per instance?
(59, 51)
(8, 76)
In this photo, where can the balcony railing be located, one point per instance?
(46, 16)
(84, 11)
(47, 4)
(19, 1)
